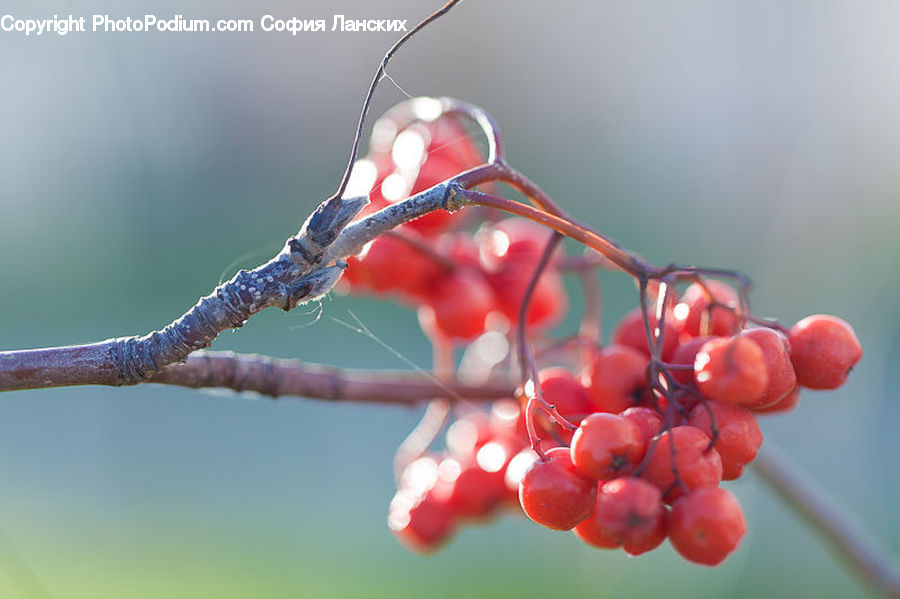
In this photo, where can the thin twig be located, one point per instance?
(292, 378)
(379, 75)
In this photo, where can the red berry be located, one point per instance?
(615, 378)
(458, 305)
(565, 392)
(786, 404)
(777, 357)
(607, 446)
(631, 332)
(448, 151)
(739, 436)
(823, 350)
(731, 371)
(685, 355)
(652, 540)
(649, 421)
(553, 493)
(590, 532)
(631, 510)
(509, 251)
(422, 521)
(697, 466)
(706, 525)
(468, 433)
(449, 141)
(395, 265)
(473, 491)
(516, 237)
(694, 317)
(548, 301)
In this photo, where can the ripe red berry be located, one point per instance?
(649, 421)
(458, 304)
(421, 520)
(392, 264)
(515, 238)
(509, 252)
(706, 525)
(694, 316)
(685, 355)
(467, 434)
(630, 509)
(607, 446)
(739, 436)
(776, 355)
(473, 491)
(697, 465)
(786, 404)
(555, 494)
(548, 301)
(565, 392)
(616, 378)
(425, 155)
(731, 370)
(823, 350)
(591, 532)
(631, 332)
(650, 541)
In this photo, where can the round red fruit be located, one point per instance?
(422, 521)
(607, 446)
(685, 355)
(695, 317)
(731, 370)
(565, 392)
(555, 494)
(697, 465)
(739, 435)
(631, 510)
(648, 420)
(616, 376)
(458, 305)
(706, 525)
(788, 403)
(631, 332)
(824, 349)
(777, 356)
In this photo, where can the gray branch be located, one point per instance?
(309, 266)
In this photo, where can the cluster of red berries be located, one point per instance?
(642, 465)
(613, 484)
(667, 410)
(456, 278)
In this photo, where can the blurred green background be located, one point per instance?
(135, 168)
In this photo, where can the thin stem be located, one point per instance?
(864, 556)
(436, 415)
(621, 258)
(292, 378)
(529, 367)
(379, 75)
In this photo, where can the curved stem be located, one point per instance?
(871, 562)
(609, 249)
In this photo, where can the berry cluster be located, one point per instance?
(666, 411)
(456, 278)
